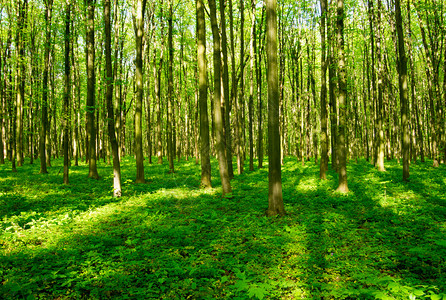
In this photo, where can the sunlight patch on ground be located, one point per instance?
(307, 184)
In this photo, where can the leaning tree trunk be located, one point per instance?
(218, 117)
(275, 198)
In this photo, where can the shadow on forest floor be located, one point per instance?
(169, 239)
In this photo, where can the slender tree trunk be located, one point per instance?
(170, 101)
(258, 58)
(157, 75)
(324, 115)
(22, 10)
(196, 118)
(91, 86)
(251, 87)
(202, 82)
(117, 191)
(2, 109)
(342, 95)
(67, 93)
(221, 153)
(240, 99)
(138, 24)
(405, 137)
(275, 198)
(226, 97)
(380, 111)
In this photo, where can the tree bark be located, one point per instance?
(218, 117)
(203, 90)
(138, 25)
(258, 58)
(22, 11)
(251, 87)
(170, 101)
(275, 198)
(324, 115)
(67, 93)
(342, 95)
(405, 138)
(226, 97)
(117, 190)
(91, 86)
(379, 163)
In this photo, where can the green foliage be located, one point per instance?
(168, 239)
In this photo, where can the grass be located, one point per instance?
(168, 239)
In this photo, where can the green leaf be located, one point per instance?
(257, 291)
(441, 243)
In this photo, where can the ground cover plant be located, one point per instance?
(169, 239)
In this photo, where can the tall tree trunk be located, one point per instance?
(67, 93)
(91, 86)
(324, 115)
(202, 82)
(157, 75)
(234, 100)
(275, 198)
(138, 24)
(379, 112)
(22, 10)
(2, 109)
(218, 118)
(331, 60)
(170, 101)
(402, 68)
(117, 191)
(251, 87)
(258, 58)
(342, 95)
(226, 97)
(240, 99)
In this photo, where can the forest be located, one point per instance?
(230, 149)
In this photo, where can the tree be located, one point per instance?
(324, 114)
(202, 82)
(91, 86)
(117, 191)
(342, 94)
(22, 11)
(240, 101)
(379, 163)
(225, 95)
(139, 7)
(170, 101)
(404, 98)
(275, 198)
(251, 87)
(67, 92)
(218, 117)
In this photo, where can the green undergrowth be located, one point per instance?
(169, 239)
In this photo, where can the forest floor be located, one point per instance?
(168, 239)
